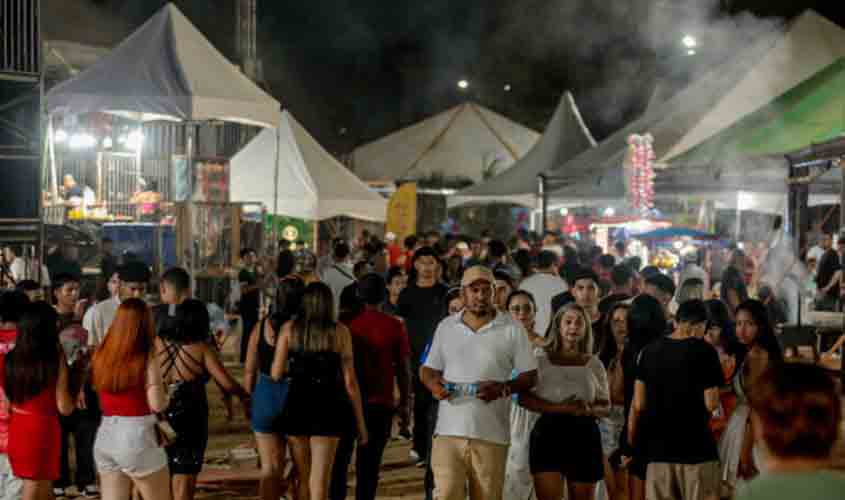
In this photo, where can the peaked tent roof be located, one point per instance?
(596, 173)
(167, 70)
(565, 137)
(457, 144)
(810, 44)
(311, 184)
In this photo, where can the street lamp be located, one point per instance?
(507, 87)
(689, 42)
(463, 84)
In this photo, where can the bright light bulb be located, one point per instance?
(463, 84)
(508, 87)
(691, 52)
(60, 136)
(564, 211)
(609, 212)
(135, 140)
(678, 245)
(689, 42)
(82, 141)
(107, 143)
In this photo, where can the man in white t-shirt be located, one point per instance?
(544, 284)
(132, 280)
(468, 369)
(339, 274)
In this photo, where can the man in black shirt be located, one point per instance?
(250, 297)
(675, 393)
(622, 281)
(828, 286)
(422, 305)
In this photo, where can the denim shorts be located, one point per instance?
(129, 445)
(611, 429)
(268, 401)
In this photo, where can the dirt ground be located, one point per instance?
(231, 475)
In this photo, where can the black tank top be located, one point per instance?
(266, 352)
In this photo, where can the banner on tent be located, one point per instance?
(402, 211)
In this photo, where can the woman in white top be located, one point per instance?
(571, 394)
(518, 483)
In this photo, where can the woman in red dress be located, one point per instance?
(35, 377)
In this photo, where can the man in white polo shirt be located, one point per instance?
(468, 369)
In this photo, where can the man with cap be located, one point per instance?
(383, 361)
(133, 278)
(468, 369)
(662, 288)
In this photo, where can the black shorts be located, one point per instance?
(567, 445)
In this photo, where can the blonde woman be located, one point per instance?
(571, 395)
(324, 401)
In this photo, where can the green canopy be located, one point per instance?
(812, 112)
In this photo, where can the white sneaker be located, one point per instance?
(91, 491)
(414, 456)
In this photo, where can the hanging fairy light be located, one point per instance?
(641, 172)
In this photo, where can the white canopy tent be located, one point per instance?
(810, 44)
(166, 70)
(565, 137)
(771, 66)
(460, 143)
(309, 182)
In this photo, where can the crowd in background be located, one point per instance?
(540, 367)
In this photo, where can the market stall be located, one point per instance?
(165, 73)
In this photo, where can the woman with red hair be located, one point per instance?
(128, 379)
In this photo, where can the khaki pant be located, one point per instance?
(458, 461)
(666, 481)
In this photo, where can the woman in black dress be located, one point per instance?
(188, 361)
(324, 402)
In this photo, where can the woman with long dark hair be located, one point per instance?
(324, 400)
(268, 395)
(127, 378)
(759, 350)
(34, 375)
(188, 361)
(610, 353)
(646, 324)
(518, 483)
(571, 394)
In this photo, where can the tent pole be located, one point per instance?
(189, 160)
(275, 245)
(544, 202)
(842, 199)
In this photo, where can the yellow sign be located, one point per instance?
(402, 211)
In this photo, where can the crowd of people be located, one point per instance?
(540, 368)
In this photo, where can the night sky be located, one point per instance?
(355, 70)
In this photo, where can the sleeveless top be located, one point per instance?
(128, 403)
(266, 352)
(192, 373)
